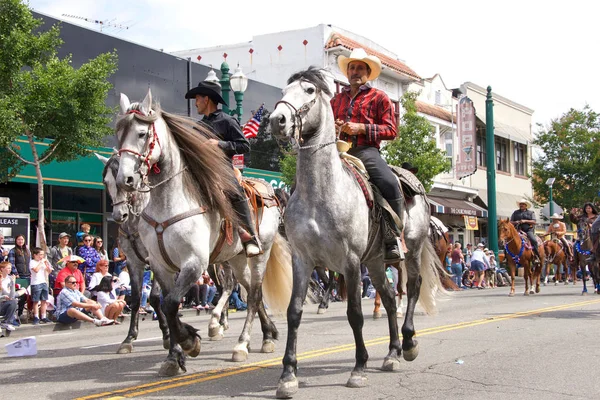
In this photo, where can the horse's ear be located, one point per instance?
(147, 103)
(101, 158)
(124, 102)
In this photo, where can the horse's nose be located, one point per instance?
(281, 120)
(129, 181)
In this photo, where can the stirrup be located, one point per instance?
(393, 253)
(253, 247)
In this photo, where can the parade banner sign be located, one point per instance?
(466, 162)
(471, 223)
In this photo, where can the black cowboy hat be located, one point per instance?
(210, 89)
(409, 166)
(594, 208)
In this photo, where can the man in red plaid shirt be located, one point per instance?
(365, 116)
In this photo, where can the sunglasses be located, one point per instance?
(98, 241)
(87, 240)
(72, 282)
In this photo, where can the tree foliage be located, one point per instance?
(288, 168)
(44, 97)
(416, 145)
(570, 148)
(264, 150)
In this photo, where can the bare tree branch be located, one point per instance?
(19, 156)
(50, 151)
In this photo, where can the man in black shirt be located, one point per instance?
(524, 220)
(231, 141)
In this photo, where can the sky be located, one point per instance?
(543, 55)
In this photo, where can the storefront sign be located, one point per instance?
(471, 223)
(12, 225)
(466, 163)
(462, 211)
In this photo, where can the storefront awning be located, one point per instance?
(441, 205)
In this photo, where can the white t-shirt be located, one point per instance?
(124, 279)
(104, 298)
(96, 278)
(38, 277)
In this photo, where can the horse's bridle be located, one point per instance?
(298, 114)
(149, 145)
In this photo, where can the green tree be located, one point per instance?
(264, 150)
(570, 148)
(416, 145)
(288, 168)
(44, 98)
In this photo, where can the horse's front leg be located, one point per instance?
(183, 337)
(270, 332)
(136, 276)
(155, 301)
(218, 320)
(288, 382)
(413, 288)
(377, 305)
(512, 267)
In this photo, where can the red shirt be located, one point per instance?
(62, 275)
(371, 107)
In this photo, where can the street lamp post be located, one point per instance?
(550, 182)
(238, 82)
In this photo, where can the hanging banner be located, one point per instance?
(471, 223)
(466, 160)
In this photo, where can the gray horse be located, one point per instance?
(328, 222)
(129, 240)
(183, 226)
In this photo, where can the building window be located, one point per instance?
(438, 97)
(396, 111)
(520, 156)
(501, 154)
(449, 146)
(481, 144)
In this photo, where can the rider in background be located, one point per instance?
(365, 116)
(231, 141)
(559, 228)
(590, 216)
(524, 219)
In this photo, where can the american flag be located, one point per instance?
(251, 127)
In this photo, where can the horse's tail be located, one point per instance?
(432, 275)
(277, 282)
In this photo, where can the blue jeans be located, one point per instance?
(8, 309)
(457, 272)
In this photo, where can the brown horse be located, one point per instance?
(555, 254)
(513, 243)
(582, 251)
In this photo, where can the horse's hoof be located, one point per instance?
(511, 295)
(583, 293)
(195, 350)
(268, 346)
(166, 344)
(169, 368)
(376, 314)
(390, 364)
(240, 353)
(321, 310)
(285, 390)
(410, 355)
(537, 289)
(215, 332)
(125, 348)
(531, 291)
(357, 380)
(217, 337)
(526, 293)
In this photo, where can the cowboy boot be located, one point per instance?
(250, 240)
(393, 252)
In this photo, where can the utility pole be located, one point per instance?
(491, 173)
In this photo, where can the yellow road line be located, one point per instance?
(200, 377)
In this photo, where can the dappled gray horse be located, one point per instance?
(183, 225)
(132, 246)
(329, 223)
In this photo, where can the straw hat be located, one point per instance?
(529, 205)
(556, 216)
(360, 55)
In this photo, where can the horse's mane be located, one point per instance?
(209, 176)
(313, 75)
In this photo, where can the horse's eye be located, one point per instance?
(141, 135)
(310, 90)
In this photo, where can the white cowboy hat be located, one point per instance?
(556, 216)
(480, 245)
(360, 55)
(529, 205)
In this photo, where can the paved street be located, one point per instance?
(482, 344)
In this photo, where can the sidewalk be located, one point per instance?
(28, 329)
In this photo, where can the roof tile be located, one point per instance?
(435, 111)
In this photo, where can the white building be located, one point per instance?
(272, 58)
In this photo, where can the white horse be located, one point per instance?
(328, 222)
(188, 179)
